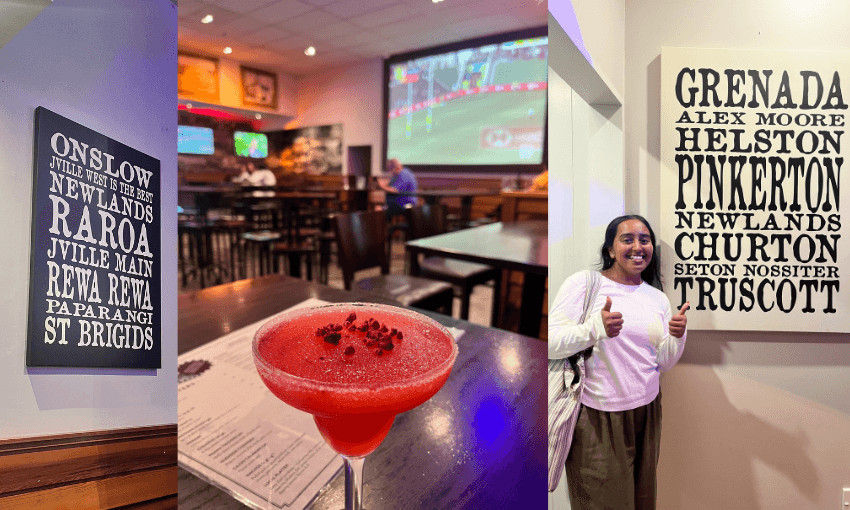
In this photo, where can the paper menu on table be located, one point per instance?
(234, 433)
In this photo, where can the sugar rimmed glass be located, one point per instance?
(353, 417)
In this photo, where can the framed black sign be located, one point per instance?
(95, 287)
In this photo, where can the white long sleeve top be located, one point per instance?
(623, 372)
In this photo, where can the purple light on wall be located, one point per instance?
(565, 15)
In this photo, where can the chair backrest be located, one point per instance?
(361, 238)
(425, 220)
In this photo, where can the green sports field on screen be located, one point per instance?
(459, 127)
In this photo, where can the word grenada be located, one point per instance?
(761, 89)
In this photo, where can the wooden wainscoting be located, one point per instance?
(133, 468)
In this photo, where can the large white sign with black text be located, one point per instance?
(753, 181)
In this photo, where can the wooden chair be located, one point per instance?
(430, 220)
(361, 238)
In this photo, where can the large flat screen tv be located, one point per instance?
(195, 140)
(251, 145)
(478, 104)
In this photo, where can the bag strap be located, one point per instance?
(591, 291)
(593, 282)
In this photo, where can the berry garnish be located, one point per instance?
(393, 332)
(376, 324)
(363, 327)
(351, 317)
(333, 338)
(379, 352)
(384, 328)
(400, 336)
(349, 350)
(387, 346)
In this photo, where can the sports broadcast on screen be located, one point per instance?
(484, 105)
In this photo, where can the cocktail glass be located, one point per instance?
(354, 384)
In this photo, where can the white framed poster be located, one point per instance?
(753, 182)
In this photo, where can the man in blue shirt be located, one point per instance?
(401, 189)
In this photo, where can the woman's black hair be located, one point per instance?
(652, 273)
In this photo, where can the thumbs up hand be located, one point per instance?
(613, 321)
(678, 323)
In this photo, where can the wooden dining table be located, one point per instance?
(480, 442)
(516, 246)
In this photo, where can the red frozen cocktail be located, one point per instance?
(354, 366)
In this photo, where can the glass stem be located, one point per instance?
(353, 482)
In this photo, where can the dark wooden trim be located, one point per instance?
(114, 468)
(166, 503)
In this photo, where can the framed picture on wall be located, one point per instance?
(197, 77)
(259, 88)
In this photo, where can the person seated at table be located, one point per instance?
(401, 188)
(252, 176)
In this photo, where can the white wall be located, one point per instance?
(586, 145)
(751, 420)
(585, 179)
(351, 95)
(597, 28)
(602, 25)
(109, 65)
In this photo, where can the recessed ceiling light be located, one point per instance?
(436, 1)
(188, 106)
(310, 51)
(207, 19)
(228, 50)
(258, 116)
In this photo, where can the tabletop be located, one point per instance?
(480, 442)
(519, 245)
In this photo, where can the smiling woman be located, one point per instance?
(628, 336)
(628, 251)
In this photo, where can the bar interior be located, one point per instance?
(392, 153)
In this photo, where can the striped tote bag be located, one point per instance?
(566, 383)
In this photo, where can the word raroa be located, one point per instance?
(736, 79)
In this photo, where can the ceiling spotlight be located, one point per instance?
(436, 1)
(188, 106)
(228, 50)
(258, 116)
(310, 51)
(207, 19)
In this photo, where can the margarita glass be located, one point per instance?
(354, 366)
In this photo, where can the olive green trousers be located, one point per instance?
(613, 459)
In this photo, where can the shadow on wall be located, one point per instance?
(711, 443)
(716, 453)
(52, 391)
